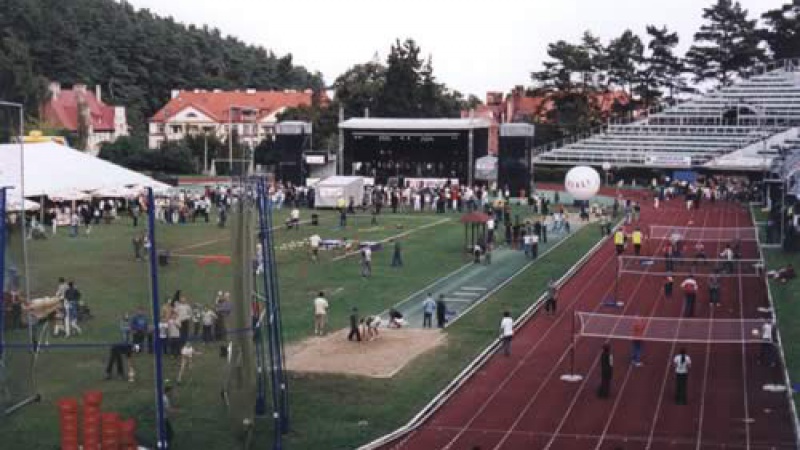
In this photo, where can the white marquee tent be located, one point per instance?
(332, 189)
(52, 169)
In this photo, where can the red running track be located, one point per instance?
(519, 402)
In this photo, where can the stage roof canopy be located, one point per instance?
(52, 169)
(414, 124)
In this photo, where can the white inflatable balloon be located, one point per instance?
(582, 182)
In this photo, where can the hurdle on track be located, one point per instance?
(708, 234)
(670, 329)
(698, 267)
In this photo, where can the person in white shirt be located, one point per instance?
(767, 355)
(366, 261)
(506, 333)
(209, 318)
(314, 242)
(295, 219)
(320, 314)
(682, 364)
(187, 353)
(174, 335)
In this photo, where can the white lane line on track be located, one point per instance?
(473, 288)
(525, 357)
(592, 368)
(654, 422)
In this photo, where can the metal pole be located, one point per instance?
(278, 325)
(572, 346)
(230, 140)
(340, 156)
(272, 318)
(3, 191)
(205, 153)
(161, 432)
(470, 149)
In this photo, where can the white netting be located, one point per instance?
(709, 234)
(670, 329)
(698, 267)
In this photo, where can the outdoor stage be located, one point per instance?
(520, 402)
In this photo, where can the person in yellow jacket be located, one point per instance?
(636, 238)
(619, 241)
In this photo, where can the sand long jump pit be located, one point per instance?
(382, 357)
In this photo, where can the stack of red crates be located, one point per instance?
(101, 430)
(128, 435)
(68, 421)
(91, 419)
(111, 435)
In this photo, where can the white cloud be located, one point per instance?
(477, 45)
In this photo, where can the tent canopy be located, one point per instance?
(333, 189)
(52, 169)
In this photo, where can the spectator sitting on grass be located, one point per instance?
(783, 274)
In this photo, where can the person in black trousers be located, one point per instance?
(441, 309)
(354, 331)
(606, 371)
(115, 358)
(682, 364)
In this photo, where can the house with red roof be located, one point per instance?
(517, 107)
(66, 106)
(250, 113)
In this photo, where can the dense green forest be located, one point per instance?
(136, 56)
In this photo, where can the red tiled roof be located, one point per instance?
(217, 105)
(62, 111)
(527, 106)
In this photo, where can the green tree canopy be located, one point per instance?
(726, 45)
(137, 56)
(783, 30)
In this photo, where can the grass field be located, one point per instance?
(326, 410)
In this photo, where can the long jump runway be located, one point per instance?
(519, 402)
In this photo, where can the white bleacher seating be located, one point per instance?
(706, 130)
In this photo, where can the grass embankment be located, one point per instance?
(326, 410)
(333, 406)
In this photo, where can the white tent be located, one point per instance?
(330, 190)
(53, 169)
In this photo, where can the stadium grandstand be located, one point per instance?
(745, 126)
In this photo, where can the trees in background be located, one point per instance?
(136, 56)
(727, 44)
(782, 31)
(403, 86)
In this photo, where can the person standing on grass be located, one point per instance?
(397, 257)
(689, 287)
(441, 312)
(534, 246)
(428, 308)
(606, 372)
(314, 242)
(209, 319)
(320, 314)
(637, 332)
(506, 333)
(682, 364)
(366, 261)
(551, 298)
(636, 237)
(354, 324)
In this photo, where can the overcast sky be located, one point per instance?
(477, 45)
